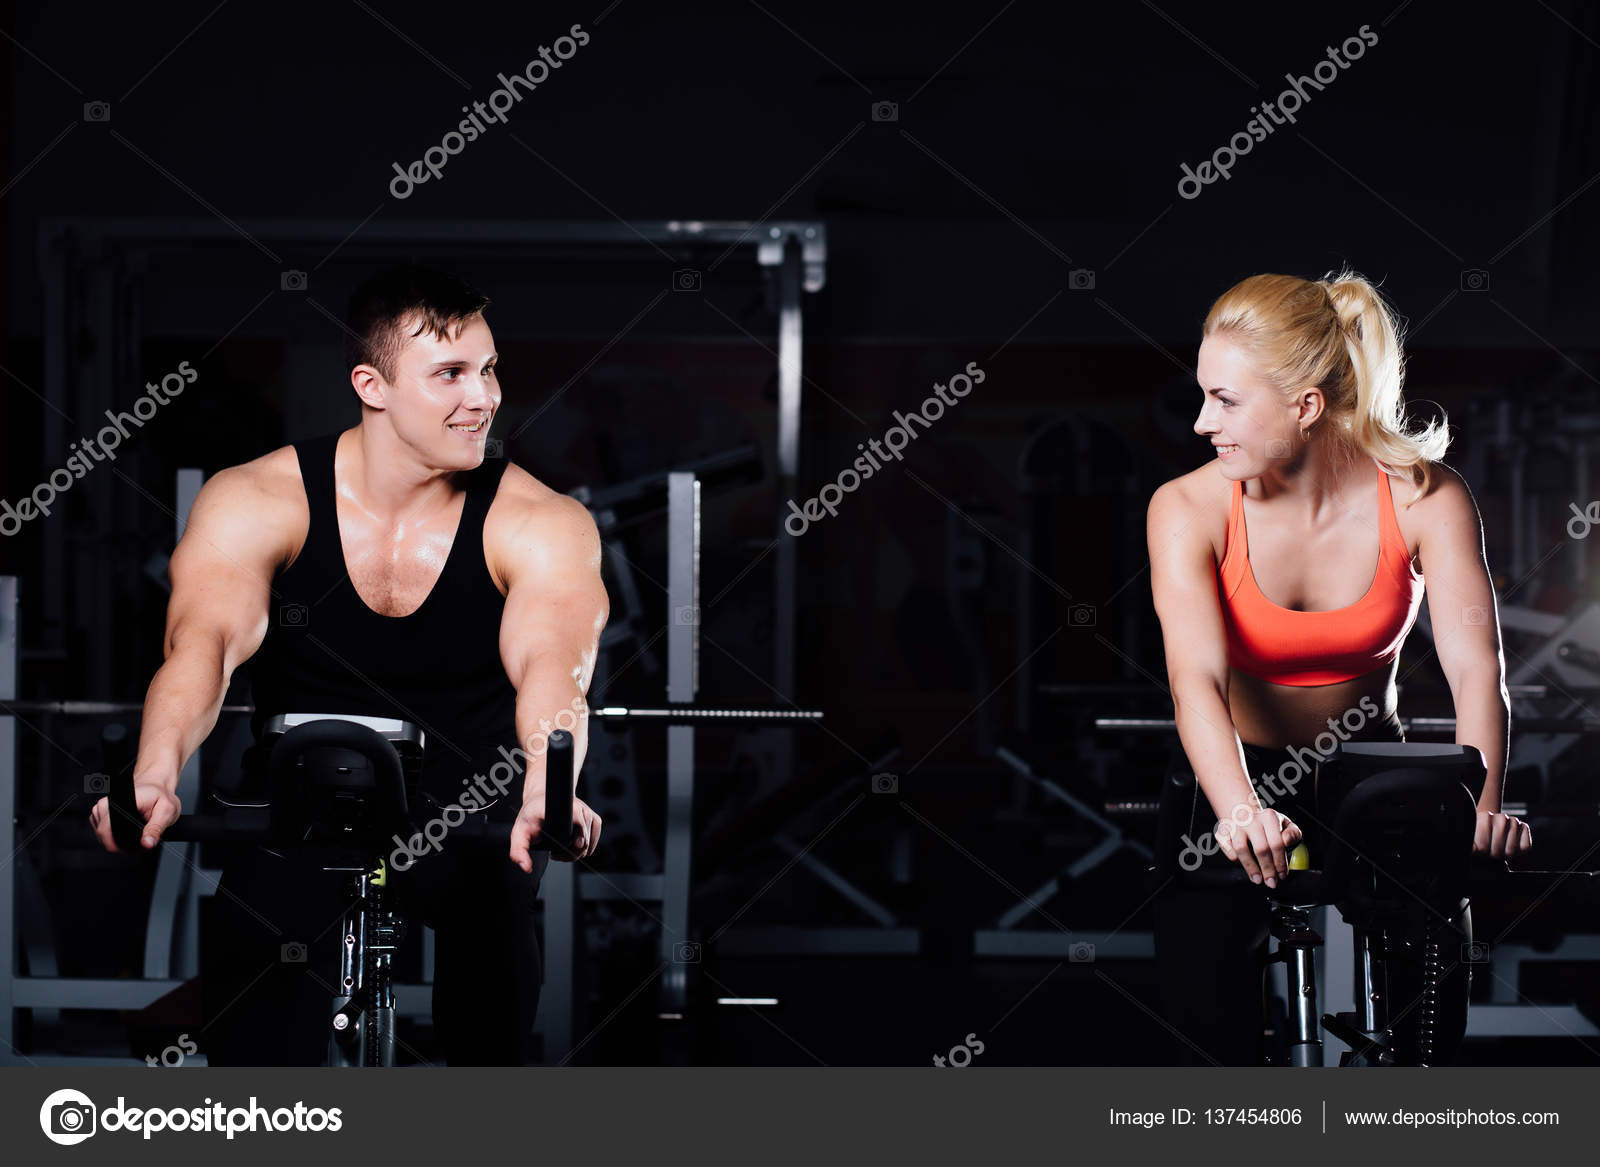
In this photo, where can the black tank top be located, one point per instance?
(327, 652)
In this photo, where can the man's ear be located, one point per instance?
(368, 384)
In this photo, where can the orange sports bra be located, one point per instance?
(1286, 647)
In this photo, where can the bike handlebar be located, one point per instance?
(1234, 875)
(1312, 881)
(243, 826)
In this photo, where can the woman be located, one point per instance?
(1277, 626)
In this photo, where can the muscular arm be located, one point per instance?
(216, 618)
(1466, 635)
(556, 607)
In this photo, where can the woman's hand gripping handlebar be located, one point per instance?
(1298, 871)
(1260, 844)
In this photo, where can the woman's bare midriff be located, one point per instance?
(1279, 716)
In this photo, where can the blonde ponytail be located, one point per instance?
(1338, 334)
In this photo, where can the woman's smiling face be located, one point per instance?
(1243, 415)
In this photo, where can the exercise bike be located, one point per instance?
(1396, 868)
(343, 789)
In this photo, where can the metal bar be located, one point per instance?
(190, 480)
(89, 993)
(1508, 960)
(8, 816)
(9, 637)
(667, 713)
(683, 576)
(181, 234)
(839, 883)
(1305, 1041)
(683, 569)
(172, 928)
(94, 560)
(1113, 842)
(1114, 832)
(1102, 946)
(92, 708)
(842, 941)
(1338, 972)
(644, 888)
(688, 714)
(1529, 1021)
(558, 1004)
(1029, 904)
(1547, 627)
(56, 252)
(1427, 725)
(789, 341)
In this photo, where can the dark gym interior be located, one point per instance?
(742, 239)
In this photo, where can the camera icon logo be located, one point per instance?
(293, 615)
(292, 281)
(67, 1117)
(885, 784)
(1081, 279)
(1475, 952)
(686, 952)
(687, 614)
(1081, 953)
(494, 448)
(1476, 614)
(686, 279)
(885, 111)
(1082, 615)
(1278, 447)
(292, 953)
(97, 111)
(97, 783)
(1474, 279)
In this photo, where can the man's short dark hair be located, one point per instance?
(382, 303)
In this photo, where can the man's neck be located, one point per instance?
(386, 481)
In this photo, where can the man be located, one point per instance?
(389, 570)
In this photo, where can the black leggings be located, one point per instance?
(1210, 943)
(272, 953)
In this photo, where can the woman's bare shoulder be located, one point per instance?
(1199, 492)
(1446, 505)
(1446, 499)
(1199, 500)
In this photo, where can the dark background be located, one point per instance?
(1032, 140)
